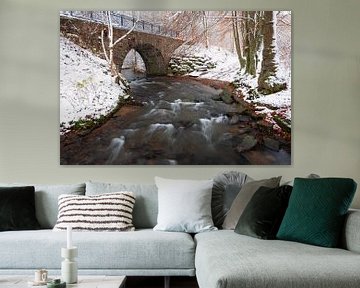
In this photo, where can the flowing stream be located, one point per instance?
(179, 123)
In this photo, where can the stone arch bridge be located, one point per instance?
(155, 49)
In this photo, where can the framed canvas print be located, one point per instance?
(175, 87)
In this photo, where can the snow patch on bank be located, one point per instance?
(86, 87)
(227, 64)
(278, 103)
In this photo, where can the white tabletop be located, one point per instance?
(17, 281)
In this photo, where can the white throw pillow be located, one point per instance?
(105, 212)
(184, 205)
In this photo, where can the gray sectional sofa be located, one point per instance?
(219, 259)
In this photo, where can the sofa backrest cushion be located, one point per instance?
(46, 200)
(146, 204)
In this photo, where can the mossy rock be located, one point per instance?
(226, 97)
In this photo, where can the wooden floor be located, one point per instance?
(158, 282)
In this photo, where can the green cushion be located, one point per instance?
(316, 211)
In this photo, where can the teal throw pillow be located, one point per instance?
(316, 211)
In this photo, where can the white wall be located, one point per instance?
(326, 92)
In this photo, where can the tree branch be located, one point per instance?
(126, 34)
(103, 46)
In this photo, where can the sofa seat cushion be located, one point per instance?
(226, 259)
(142, 249)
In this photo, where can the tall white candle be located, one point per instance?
(69, 237)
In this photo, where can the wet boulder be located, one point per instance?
(247, 143)
(226, 97)
(272, 144)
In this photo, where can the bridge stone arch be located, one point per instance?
(155, 50)
(155, 62)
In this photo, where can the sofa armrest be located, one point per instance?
(351, 234)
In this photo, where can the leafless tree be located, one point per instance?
(109, 49)
(235, 26)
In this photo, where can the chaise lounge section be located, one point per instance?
(225, 259)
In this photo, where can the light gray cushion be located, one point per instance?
(184, 205)
(46, 200)
(225, 259)
(146, 204)
(242, 199)
(351, 235)
(142, 249)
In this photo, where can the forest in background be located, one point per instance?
(260, 39)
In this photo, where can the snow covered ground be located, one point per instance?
(86, 88)
(278, 103)
(227, 64)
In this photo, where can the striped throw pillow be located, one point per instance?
(105, 212)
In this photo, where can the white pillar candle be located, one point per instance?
(69, 237)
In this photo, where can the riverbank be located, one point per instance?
(88, 95)
(272, 115)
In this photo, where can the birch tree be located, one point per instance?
(109, 49)
(206, 28)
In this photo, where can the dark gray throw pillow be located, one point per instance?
(243, 198)
(225, 189)
(263, 215)
(17, 208)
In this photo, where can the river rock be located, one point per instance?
(226, 97)
(272, 144)
(247, 143)
(216, 97)
(201, 68)
(242, 131)
(234, 120)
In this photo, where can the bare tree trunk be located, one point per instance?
(251, 28)
(258, 38)
(235, 26)
(206, 29)
(248, 30)
(269, 81)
